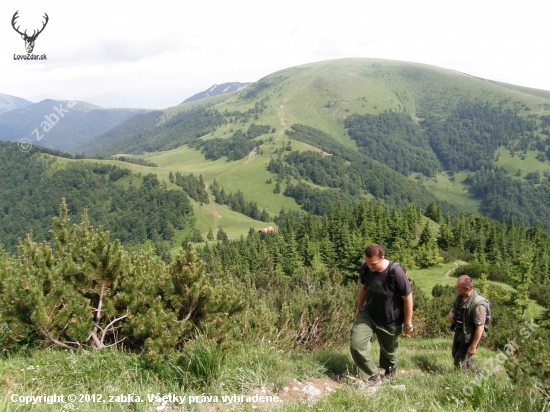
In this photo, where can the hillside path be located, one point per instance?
(280, 114)
(450, 270)
(251, 155)
(212, 204)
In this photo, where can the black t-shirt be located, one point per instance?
(384, 294)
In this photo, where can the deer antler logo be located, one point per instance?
(29, 40)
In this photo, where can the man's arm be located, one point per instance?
(475, 340)
(408, 312)
(361, 299)
(479, 321)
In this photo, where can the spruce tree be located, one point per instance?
(210, 235)
(522, 274)
(445, 236)
(426, 235)
(221, 235)
(433, 212)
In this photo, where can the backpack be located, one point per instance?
(480, 300)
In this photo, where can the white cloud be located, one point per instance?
(166, 51)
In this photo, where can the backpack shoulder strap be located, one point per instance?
(393, 265)
(480, 300)
(363, 271)
(391, 274)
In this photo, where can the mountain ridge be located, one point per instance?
(218, 89)
(8, 102)
(54, 124)
(358, 110)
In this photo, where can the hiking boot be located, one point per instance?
(375, 379)
(390, 373)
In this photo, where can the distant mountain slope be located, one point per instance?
(372, 115)
(218, 89)
(154, 130)
(323, 95)
(141, 124)
(527, 90)
(37, 98)
(67, 126)
(133, 208)
(8, 103)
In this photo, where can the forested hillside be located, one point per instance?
(369, 117)
(133, 208)
(353, 173)
(294, 288)
(148, 136)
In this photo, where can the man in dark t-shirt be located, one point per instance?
(384, 309)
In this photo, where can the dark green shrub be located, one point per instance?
(440, 290)
(436, 316)
(474, 270)
(455, 253)
(540, 293)
(529, 366)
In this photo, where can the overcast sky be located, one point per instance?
(158, 53)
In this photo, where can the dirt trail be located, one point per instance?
(280, 114)
(450, 270)
(251, 155)
(308, 392)
(212, 204)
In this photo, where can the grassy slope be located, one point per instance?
(526, 90)
(454, 193)
(428, 380)
(302, 94)
(513, 164)
(322, 95)
(251, 179)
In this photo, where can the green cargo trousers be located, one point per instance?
(460, 353)
(361, 344)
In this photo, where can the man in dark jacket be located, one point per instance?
(468, 319)
(387, 312)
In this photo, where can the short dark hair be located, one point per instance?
(374, 249)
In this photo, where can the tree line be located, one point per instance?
(236, 147)
(237, 203)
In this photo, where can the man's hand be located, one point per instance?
(451, 317)
(357, 312)
(472, 350)
(407, 331)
